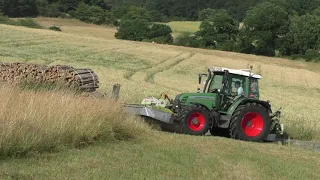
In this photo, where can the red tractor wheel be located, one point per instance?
(194, 120)
(250, 122)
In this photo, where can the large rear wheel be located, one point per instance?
(250, 122)
(195, 120)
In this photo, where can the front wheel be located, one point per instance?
(195, 120)
(250, 122)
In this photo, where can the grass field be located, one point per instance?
(179, 27)
(145, 69)
(165, 156)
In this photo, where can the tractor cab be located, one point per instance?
(231, 84)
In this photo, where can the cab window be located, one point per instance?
(216, 83)
(236, 85)
(253, 88)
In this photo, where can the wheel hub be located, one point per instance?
(195, 121)
(249, 124)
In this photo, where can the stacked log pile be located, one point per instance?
(82, 79)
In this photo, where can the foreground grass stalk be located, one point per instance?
(42, 121)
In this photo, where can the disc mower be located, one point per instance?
(229, 105)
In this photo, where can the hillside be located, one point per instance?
(145, 69)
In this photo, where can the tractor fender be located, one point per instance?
(225, 118)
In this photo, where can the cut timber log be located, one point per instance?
(83, 79)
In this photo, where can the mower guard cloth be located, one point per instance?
(150, 112)
(271, 137)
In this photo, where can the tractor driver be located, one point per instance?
(239, 88)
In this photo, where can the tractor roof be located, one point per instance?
(241, 72)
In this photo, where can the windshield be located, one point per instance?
(216, 83)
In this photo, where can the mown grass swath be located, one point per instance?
(46, 121)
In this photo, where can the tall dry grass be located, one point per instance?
(43, 121)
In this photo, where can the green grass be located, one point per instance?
(169, 156)
(179, 27)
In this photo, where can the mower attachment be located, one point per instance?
(153, 113)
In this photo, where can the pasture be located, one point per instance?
(179, 27)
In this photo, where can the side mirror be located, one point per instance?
(200, 78)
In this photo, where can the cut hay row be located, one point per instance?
(81, 79)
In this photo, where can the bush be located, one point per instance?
(161, 40)
(135, 30)
(188, 39)
(131, 13)
(30, 23)
(160, 33)
(55, 28)
(142, 30)
(93, 14)
(229, 45)
(6, 20)
(65, 16)
(312, 54)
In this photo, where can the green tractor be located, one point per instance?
(229, 105)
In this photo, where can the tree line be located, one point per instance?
(287, 28)
(160, 10)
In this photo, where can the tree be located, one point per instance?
(19, 8)
(217, 29)
(302, 7)
(316, 12)
(68, 5)
(160, 33)
(305, 33)
(156, 16)
(136, 13)
(135, 30)
(93, 14)
(205, 14)
(264, 25)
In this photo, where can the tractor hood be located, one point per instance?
(207, 100)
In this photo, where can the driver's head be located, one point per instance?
(237, 84)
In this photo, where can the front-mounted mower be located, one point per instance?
(229, 105)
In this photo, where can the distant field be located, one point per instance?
(73, 26)
(179, 27)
